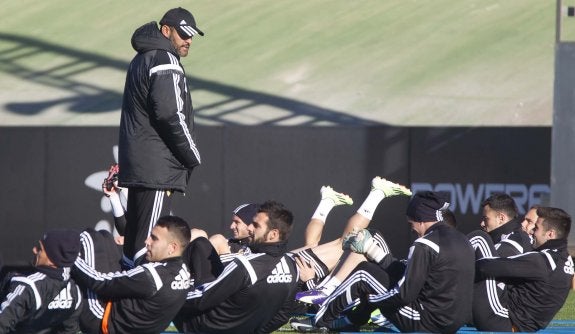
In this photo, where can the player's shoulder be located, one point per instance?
(166, 59)
(34, 281)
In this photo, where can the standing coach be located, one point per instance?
(157, 148)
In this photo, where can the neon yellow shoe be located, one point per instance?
(389, 188)
(337, 198)
(378, 319)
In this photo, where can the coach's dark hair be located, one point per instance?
(178, 227)
(280, 218)
(503, 203)
(555, 219)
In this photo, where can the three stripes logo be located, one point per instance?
(63, 300)
(182, 280)
(281, 273)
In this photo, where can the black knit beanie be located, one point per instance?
(246, 212)
(62, 246)
(426, 206)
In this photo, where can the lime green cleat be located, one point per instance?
(337, 198)
(389, 188)
(378, 319)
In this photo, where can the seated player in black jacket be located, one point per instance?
(144, 299)
(47, 298)
(533, 286)
(432, 293)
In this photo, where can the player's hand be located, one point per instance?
(357, 241)
(306, 271)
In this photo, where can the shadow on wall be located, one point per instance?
(72, 74)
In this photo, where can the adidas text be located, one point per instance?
(281, 273)
(63, 300)
(180, 285)
(182, 280)
(60, 304)
(280, 278)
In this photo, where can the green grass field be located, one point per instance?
(568, 310)
(404, 62)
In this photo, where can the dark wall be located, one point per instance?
(52, 176)
(472, 163)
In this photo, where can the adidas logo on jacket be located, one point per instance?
(281, 273)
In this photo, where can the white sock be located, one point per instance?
(323, 282)
(369, 205)
(375, 252)
(330, 286)
(323, 209)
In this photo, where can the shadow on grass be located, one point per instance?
(18, 53)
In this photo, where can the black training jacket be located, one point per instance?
(538, 283)
(46, 299)
(437, 287)
(254, 294)
(157, 149)
(510, 239)
(144, 299)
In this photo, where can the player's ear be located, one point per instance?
(501, 217)
(165, 30)
(173, 247)
(273, 234)
(551, 234)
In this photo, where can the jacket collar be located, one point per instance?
(553, 244)
(507, 228)
(61, 274)
(244, 241)
(274, 249)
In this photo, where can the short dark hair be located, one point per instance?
(555, 219)
(502, 202)
(280, 218)
(177, 227)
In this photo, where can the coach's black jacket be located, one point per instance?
(254, 294)
(144, 299)
(538, 283)
(46, 299)
(156, 144)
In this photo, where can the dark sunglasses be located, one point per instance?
(182, 34)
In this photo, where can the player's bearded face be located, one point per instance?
(262, 238)
(259, 229)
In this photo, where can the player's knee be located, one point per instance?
(196, 233)
(218, 240)
(220, 243)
